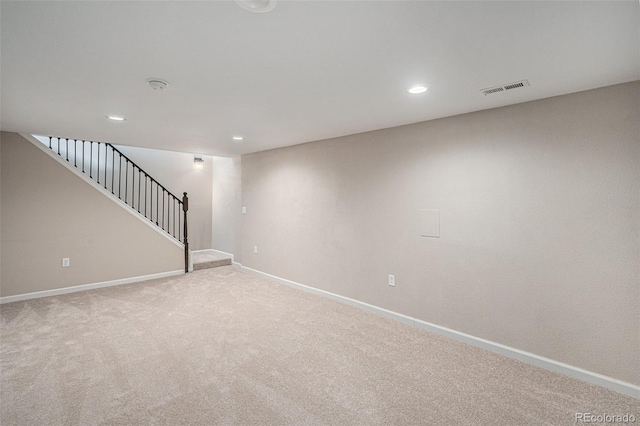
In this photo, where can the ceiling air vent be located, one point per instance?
(504, 87)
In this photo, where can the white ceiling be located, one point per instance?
(308, 70)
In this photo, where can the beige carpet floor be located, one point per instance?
(222, 347)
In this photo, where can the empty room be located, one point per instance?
(280, 212)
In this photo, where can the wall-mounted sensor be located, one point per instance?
(198, 163)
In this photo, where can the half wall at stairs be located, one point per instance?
(48, 214)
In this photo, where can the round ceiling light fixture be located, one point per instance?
(116, 118)
(157, 84)
(416, 90)
(238, 138)
(257, 6)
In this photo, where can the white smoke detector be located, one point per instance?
(158, 85)
(257, 6)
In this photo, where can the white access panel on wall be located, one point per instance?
(430, 223)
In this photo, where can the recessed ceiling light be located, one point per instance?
(416, 90)
(238, 138)
(115, 118)
(257, 6)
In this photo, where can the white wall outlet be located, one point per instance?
(255, 249)
(65, 262)
(244, 210)
(392, 280)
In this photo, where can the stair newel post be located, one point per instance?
(185, 207)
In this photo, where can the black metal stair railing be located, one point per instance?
(118, 174)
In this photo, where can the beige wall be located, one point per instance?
(49, 213)
(175, 171)
(226, 205)
(540, 222)
(0, 212)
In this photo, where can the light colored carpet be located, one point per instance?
(220, 346)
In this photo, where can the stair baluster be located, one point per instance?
(171, 203)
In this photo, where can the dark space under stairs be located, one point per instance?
(209, 260)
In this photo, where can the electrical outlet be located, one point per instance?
(255, 249)
(65, 262)
(244, 210)
(392, 280)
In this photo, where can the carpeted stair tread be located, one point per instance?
(209, 260)
(211, 264)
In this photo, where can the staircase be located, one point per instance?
(106, 166)
(207, 259)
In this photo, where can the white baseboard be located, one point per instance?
(84, 287)
(537, 360)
